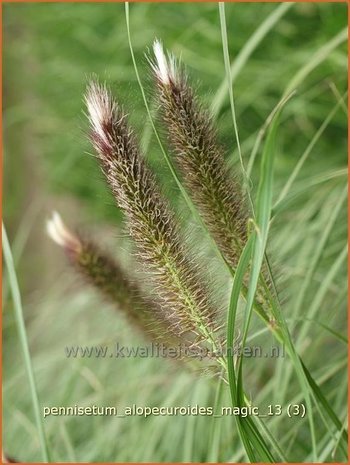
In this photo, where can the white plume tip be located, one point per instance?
(60, 234)
(100, 106)
(163, 67)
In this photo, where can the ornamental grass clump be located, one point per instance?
(175, 305)
(192, 135)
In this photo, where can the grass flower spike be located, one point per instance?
(108, 277)
(200, 157)
(150, 221)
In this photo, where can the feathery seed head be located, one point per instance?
(106, 275)
(150, 221)
(201, 159)
(214, 190)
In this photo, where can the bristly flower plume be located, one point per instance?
(107, 276)
(199, 156)
(150, 221)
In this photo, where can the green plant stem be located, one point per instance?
(24, 343)
(252, 43)
(229, 86)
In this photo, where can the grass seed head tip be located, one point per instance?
(100, 106)
(163, 67)
(60, 234)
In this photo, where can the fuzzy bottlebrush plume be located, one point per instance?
(150, 221)
(200, 158)
(107, 276)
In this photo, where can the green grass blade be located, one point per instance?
(318, 253)
(260, 137)
(323, 289)
(231, 322)
(272, 440)
(331, 331)
(24, 343)
(298, 365)
(308, 184)
(165, 154)
(229, 85)
(190, 430)
(263, 212)
(258, 238)
(248, 427)
(263, 215)
(216, 426)
(259, 34)
(247, 430)
(323, 401)
(317, 58)
(307, 152)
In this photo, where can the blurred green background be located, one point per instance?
(49, 52)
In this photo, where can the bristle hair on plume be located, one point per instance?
(60, 234)
(150, 221)
(163, 66)
(100, 108)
